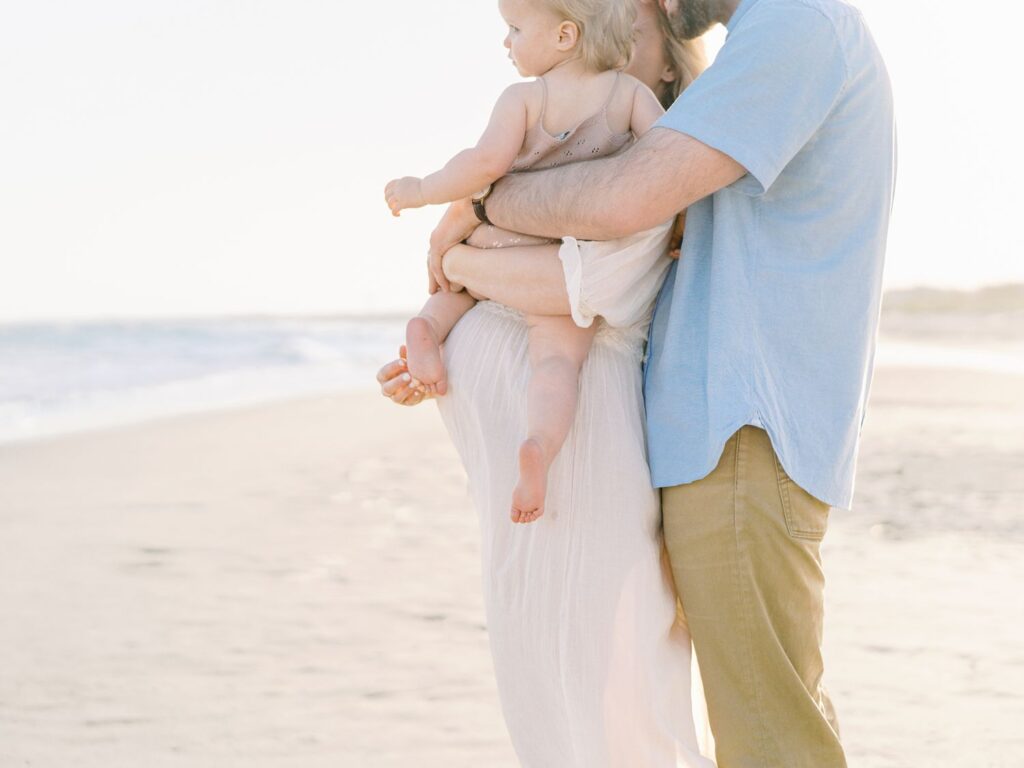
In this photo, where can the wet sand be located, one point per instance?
(298, 585)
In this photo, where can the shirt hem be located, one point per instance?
(834, 498)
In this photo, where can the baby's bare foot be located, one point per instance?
(528, 497)
(424, 350)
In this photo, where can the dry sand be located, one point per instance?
(298, 585)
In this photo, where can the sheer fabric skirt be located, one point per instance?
(592, 660)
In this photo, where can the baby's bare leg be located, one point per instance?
(557, 348)
(427, 331)
(530, 278)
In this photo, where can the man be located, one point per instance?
(761, 347)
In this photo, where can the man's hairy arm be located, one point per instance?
(662, 174)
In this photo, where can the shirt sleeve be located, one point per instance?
(774, 82)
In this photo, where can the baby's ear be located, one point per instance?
(568, 35)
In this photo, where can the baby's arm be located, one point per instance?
(472, 169)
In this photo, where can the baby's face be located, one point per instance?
(533, 36)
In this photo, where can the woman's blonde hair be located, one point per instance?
(686, 58)
(606, 30)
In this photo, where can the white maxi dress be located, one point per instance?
(592, 661)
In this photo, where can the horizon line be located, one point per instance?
(386, 315)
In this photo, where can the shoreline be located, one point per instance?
(197, 411)
(1001, 365)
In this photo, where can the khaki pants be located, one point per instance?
(744, 547)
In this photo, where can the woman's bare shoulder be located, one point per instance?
(632, 89)
(629, 94)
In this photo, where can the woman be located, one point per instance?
(592, 661)
(664, 63)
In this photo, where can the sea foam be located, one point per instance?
(61, 377)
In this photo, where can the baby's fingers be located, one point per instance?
(392, 198)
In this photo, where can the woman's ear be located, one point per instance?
(568, 36)
(668, 75)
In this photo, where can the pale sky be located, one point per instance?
(185, 157)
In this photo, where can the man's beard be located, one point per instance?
(693, 18)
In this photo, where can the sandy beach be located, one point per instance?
(297, 584)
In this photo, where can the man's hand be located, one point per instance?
(397, 384)
(404, 193)
(456, 225)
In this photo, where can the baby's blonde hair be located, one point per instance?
(606, 30)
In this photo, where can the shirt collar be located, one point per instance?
(741, 9)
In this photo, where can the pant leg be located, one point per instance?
(744, 548)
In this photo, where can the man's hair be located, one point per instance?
(606, 30)
(694, 17)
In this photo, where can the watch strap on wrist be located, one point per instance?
(480, 211)
(478, 204)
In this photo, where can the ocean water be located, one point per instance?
(64, 377)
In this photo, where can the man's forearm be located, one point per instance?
(664, 173)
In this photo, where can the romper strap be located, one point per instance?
(543, 100)
(615, 86)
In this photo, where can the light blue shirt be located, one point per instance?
(770, 316)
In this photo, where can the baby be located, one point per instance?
(579, 107)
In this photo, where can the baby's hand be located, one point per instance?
(404, 193)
